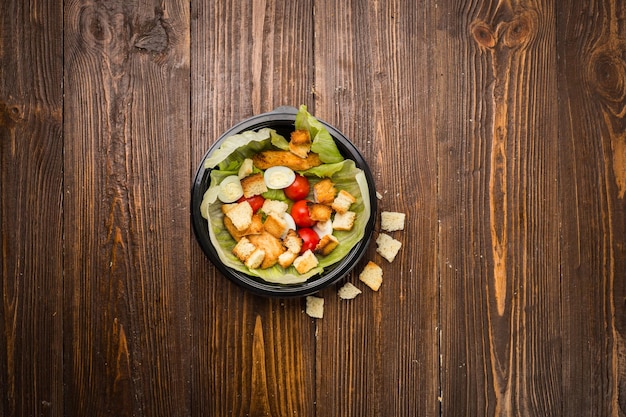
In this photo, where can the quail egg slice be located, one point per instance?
(279, 177)
(230, 189)
(291, 224)
(323, 228)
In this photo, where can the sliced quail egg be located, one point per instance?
(323, 228)
(291, 224)
(279, 177)
(230, 189)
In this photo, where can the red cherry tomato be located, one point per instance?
(298, 189)
(256, 202)
(301, 215)
(310, 239)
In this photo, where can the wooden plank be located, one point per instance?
(592, 182)
(497, 169)
(31, 174)
(252, 355)
(377, 354)
(127, 237)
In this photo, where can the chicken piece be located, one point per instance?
(266, 159)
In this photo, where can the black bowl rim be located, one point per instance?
(255, 284)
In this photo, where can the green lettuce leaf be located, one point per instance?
(236, 148)
(324, 170)
(279, 141)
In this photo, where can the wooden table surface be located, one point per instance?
(498, 127)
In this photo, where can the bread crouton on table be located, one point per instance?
(391, 221)
(348, 291)
(314, 307)
(387, 246)
(372, 276)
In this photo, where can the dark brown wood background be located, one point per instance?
(499, 127)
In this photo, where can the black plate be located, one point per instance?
(282, 120)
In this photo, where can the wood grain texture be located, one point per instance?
(255, 356)
(496, 126)
(31, 174)
(497, 154)
(592, 135)
(126, 327)
(370, 86)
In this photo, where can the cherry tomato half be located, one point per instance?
(256, 202)
(310, 239)
(301, 215)
(298, 189)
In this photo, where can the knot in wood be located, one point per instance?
(10, 115)
(95, 26)
(607, 74)
(155, 39)
(483, 34)
(521, 29)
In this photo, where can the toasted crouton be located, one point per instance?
(266, 159)
(387, 246)
(286, 258)
(320, 212)
(324, 192)
(372, 276)
(228, 207)
(276, 207)
(343, 201)
(271, 245)
(326, 245)
(348, 291)
(300, 143)
(243, 249)
(253, 185)
(392, 221)
(292, 241)
(256, 226)
(246, 168)
(236, 234)
(255, 259)
(344, 221)
(305, 262)
(241, 215)
(314, 307)
(275, 225)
